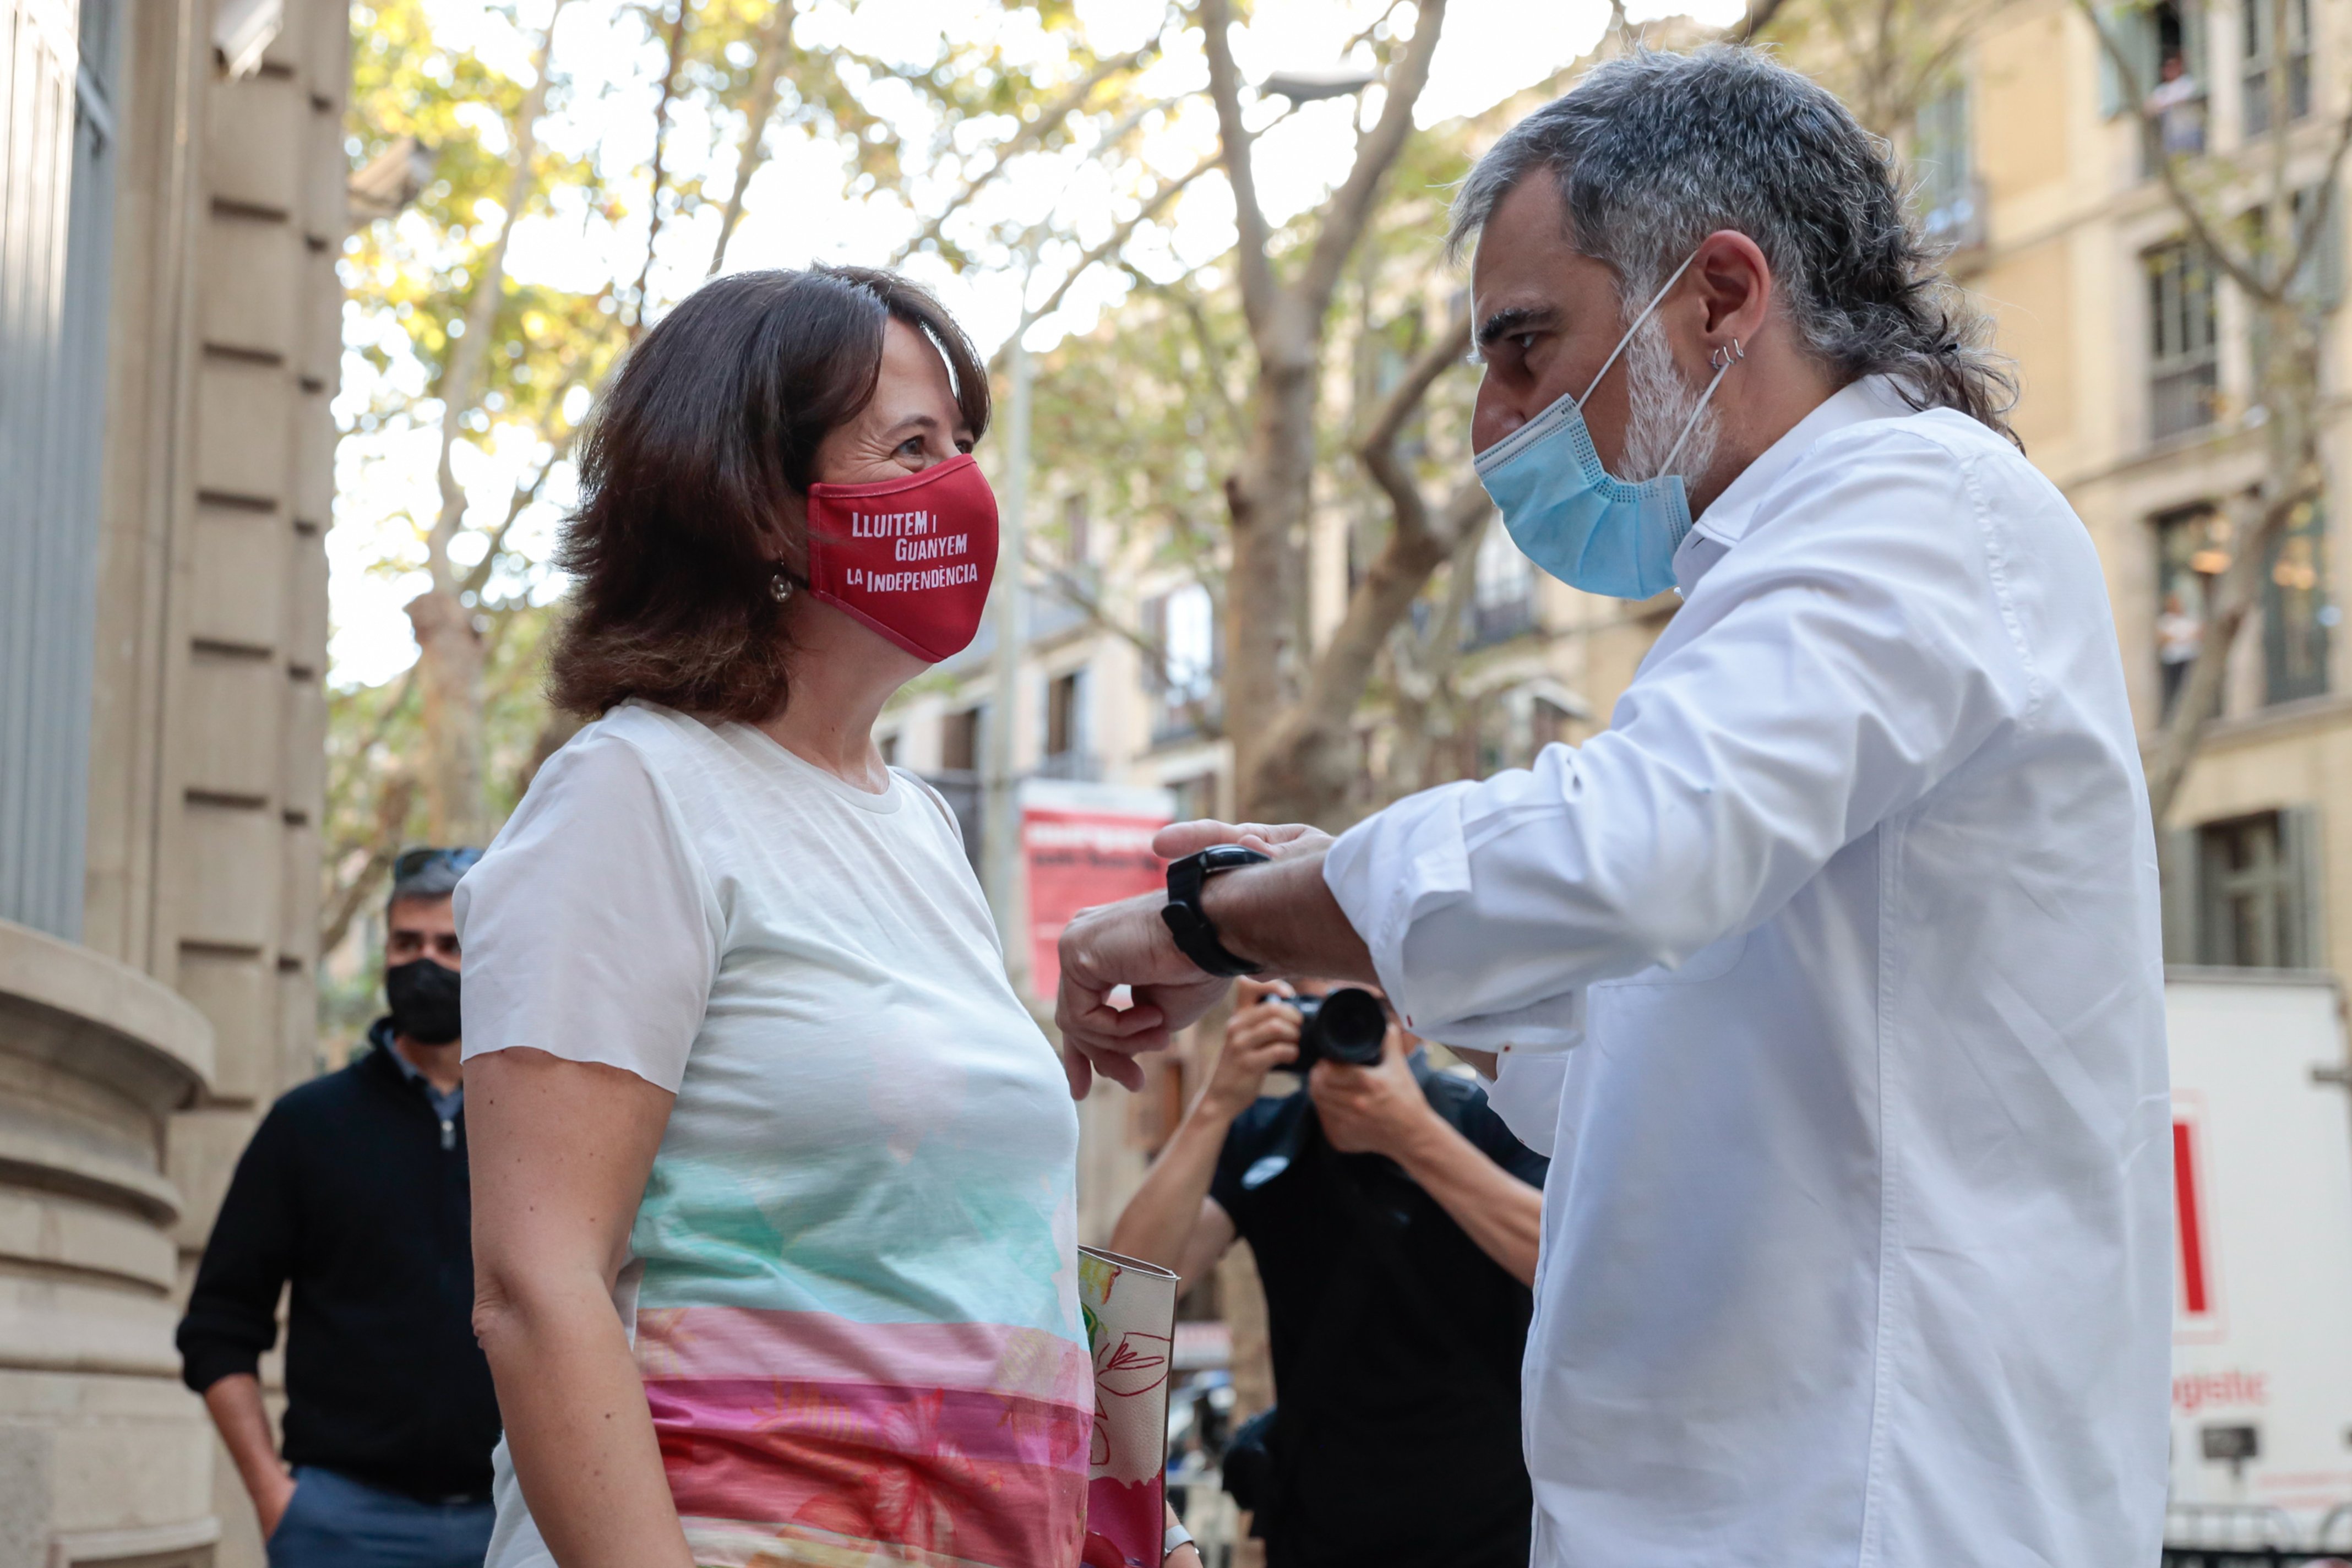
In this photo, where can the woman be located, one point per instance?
(773, 1176)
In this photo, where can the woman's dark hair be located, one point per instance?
(714, 419)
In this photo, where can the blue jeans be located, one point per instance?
(334, 1522)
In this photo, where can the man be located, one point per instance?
(1856, 1246)
(1394, 1220)
(354, 1189)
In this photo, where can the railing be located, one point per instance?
(2181, 400)
(1502, 620)
(2250, 1535)
(1083, 767)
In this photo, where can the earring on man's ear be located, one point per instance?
(781, 584)
(1727, 356)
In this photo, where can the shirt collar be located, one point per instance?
(444, 1102)
(1723, 524)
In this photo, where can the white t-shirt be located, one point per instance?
(853, 1288)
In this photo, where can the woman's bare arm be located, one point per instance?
(560, 1151)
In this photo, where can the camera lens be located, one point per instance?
(1347, 1025)
(1353, 1026)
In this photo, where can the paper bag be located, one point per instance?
(1130, 1312)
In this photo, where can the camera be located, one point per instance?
(1346, 1025)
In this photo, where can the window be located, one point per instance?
(889, 746)
(1077, 542)
(1502, 601)
(2295, 613)
(1183, 625)
(1065, 726)
(1195, 797)
(961, 739)
(2192, 551)
(2183, 363)
(2259, 37)
(1950, 204)
(2165, 47)
(2241, 892)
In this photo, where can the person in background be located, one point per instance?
(1394, 1220)
(2178, 636)
(355, 1191)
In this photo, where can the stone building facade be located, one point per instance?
(171, 210)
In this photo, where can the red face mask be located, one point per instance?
(911, 558)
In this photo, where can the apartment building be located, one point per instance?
(172, 209)
(2139, 401)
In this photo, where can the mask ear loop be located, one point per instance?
(1723, 359)
(1656, 300)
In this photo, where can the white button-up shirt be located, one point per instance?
(1857, 1245)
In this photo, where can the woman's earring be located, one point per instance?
(781, 584)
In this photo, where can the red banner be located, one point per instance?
(1080, 852)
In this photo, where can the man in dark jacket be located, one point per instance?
(353, 1190)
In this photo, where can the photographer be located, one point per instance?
(1395, 1221)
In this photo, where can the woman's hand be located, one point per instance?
(1111, 945)
(1276, 841)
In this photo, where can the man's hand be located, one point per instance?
(1258, 1039)
(271, 1492)
(1126, 943)
(1375, 1110)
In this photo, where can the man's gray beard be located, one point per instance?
(1659, 403)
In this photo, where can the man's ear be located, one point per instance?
(1735, 287)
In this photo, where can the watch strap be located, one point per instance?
(1188, 923)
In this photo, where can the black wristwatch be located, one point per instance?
(1196, 939)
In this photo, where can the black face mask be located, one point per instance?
(424, 997)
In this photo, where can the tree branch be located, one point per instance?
(1351, 207)
(1378, 445)
(1255, 269)
(1213, 354)
(2167, 757)
(1760, 15)
(750, 154)
(1110, 245)
(661, 147)
(1155, 655)
(462, 376)
(1022, 140)
(2201, 227)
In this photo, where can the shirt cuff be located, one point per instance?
(1394, 868)
(205, 1363)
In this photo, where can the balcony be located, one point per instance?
(1499, 620)
(2181, 400)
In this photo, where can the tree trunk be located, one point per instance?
(449, 656)
(2292, 479)
(449, 649)
(1269, 499)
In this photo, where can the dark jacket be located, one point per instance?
(355, 1191)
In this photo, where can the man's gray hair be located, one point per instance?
(1654, 152)
(437, 878)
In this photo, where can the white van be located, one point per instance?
(2262, 1386)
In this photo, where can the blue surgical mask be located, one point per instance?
(1573, 518)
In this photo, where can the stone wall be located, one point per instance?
(134, 1065)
